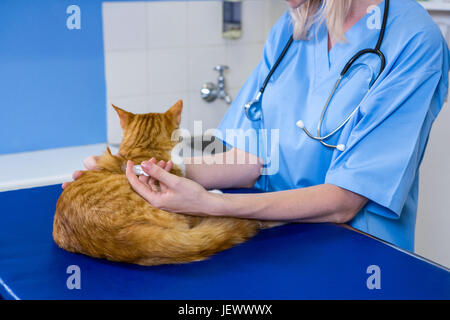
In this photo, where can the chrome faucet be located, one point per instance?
(211, 92)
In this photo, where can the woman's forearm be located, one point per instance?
(232, 169)
(321, 203)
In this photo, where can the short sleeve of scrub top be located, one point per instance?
(384, 140)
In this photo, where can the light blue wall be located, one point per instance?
(52, 82)
(52, 79)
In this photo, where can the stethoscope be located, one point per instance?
(254, 112)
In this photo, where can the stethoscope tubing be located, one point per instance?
(322, 138)
(277, 63)
(344, 71)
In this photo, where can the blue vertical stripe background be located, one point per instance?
(52, 79)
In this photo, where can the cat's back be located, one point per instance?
(104, 202)
(94, 187)
(101, 200)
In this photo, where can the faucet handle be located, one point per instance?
(221, 68)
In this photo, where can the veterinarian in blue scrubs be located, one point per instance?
(370, 180)
(384, 141)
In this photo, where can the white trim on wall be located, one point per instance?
(435, 5)
(45, 167)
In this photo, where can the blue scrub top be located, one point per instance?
(385, 139)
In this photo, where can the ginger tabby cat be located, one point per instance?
(101, 216)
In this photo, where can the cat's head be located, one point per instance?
(149, 130)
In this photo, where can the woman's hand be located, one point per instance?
(176, 194)
(90, 163)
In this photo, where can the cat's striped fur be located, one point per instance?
(101, 216)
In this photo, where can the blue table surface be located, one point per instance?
(296, 261)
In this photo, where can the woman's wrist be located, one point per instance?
(228, 205)
(214, 204)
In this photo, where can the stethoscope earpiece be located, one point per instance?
(340, 147)
(300, 124)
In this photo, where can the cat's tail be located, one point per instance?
(211, 235)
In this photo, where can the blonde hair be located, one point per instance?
(333, 12)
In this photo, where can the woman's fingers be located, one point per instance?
(162, 164)
(65, 184)
(137, 185)
(144, 179)
(90, 163)
(77, 174)
(160, 174)
(167, 167)
(152, 181)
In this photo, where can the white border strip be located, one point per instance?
(8, 290)
(44, 167)
(435, 5)
(33, 183)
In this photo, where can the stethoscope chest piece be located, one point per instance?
(253, 108)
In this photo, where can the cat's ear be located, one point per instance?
(124, 116)
(175, 111)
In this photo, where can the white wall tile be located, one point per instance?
(253, 22)
(163, 101)
(142, 104)
(234, 92)
(210, 113)
(274, 10)
(433, 220)
(202, 61)
(167, 24)
(167, 70)
(135, 104)
(124, 25)
(126, 73)
(242, 60)
(204, 23)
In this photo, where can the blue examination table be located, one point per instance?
(297, 261)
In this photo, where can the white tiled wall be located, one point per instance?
(433, 217)
(160, 51)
